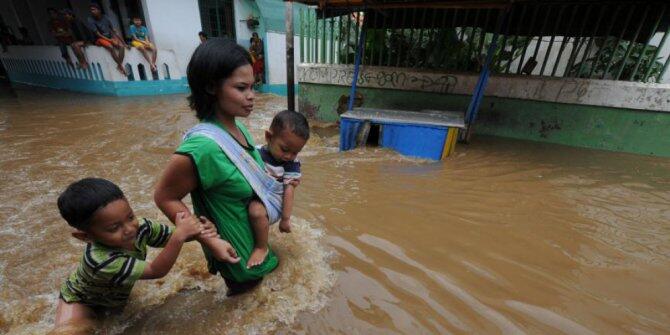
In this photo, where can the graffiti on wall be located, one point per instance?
(380, 78)
(640, 96)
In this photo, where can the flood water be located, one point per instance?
(503, 237)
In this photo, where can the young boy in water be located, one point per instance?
(286, 137)
(116, 249)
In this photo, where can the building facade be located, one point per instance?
(173, 26)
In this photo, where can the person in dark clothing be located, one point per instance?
(25, 37)
(6, 37)
(79, 36)
(258, 58)
(106, 36)
(59, 29)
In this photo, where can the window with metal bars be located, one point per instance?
(217, 17)
(616, 40)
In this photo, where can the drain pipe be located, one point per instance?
(290, 75)
(357, 64)
(478, 94)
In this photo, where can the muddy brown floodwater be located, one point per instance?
(503, 237)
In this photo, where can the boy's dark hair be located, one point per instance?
(136, 17)
(81, 199)
(203, 34)
(212, 62)
(295, 122)
(96, 5)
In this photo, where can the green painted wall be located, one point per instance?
(605, 128)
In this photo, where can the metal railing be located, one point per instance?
(616, 40)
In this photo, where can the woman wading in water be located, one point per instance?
(221, 77)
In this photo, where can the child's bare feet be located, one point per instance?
(257, 257)
(121, 69)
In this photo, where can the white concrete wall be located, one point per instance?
(241, 10)
(664, 54)
(174, 25)
(48, 61)
(276, 57)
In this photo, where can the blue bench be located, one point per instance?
(428, 134)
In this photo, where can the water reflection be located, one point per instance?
(503, 237)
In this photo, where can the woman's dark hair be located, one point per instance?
(294, 122)
(213, 61)
(81, 199)
(203, 34)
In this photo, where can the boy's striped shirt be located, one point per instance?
(105, 275)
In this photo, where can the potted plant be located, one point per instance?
(252, 22)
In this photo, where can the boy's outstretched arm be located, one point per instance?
(187, 227)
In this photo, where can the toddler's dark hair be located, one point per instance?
(81, 199)
(292, 121)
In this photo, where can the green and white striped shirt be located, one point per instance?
(106, 276)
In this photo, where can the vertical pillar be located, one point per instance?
(109, 12)
(290, 90)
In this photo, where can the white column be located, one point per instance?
(276, 57)
(174, 25)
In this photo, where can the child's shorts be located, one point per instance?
(100, 311)
(140, 45)
(103, 43)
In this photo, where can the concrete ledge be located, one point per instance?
(278, 89)
(591, 92)
(115, 88)
(606, 128)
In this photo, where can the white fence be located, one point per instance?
(47, 60)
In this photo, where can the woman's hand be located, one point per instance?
(221, 250)
(187, 227)
(208, 229)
